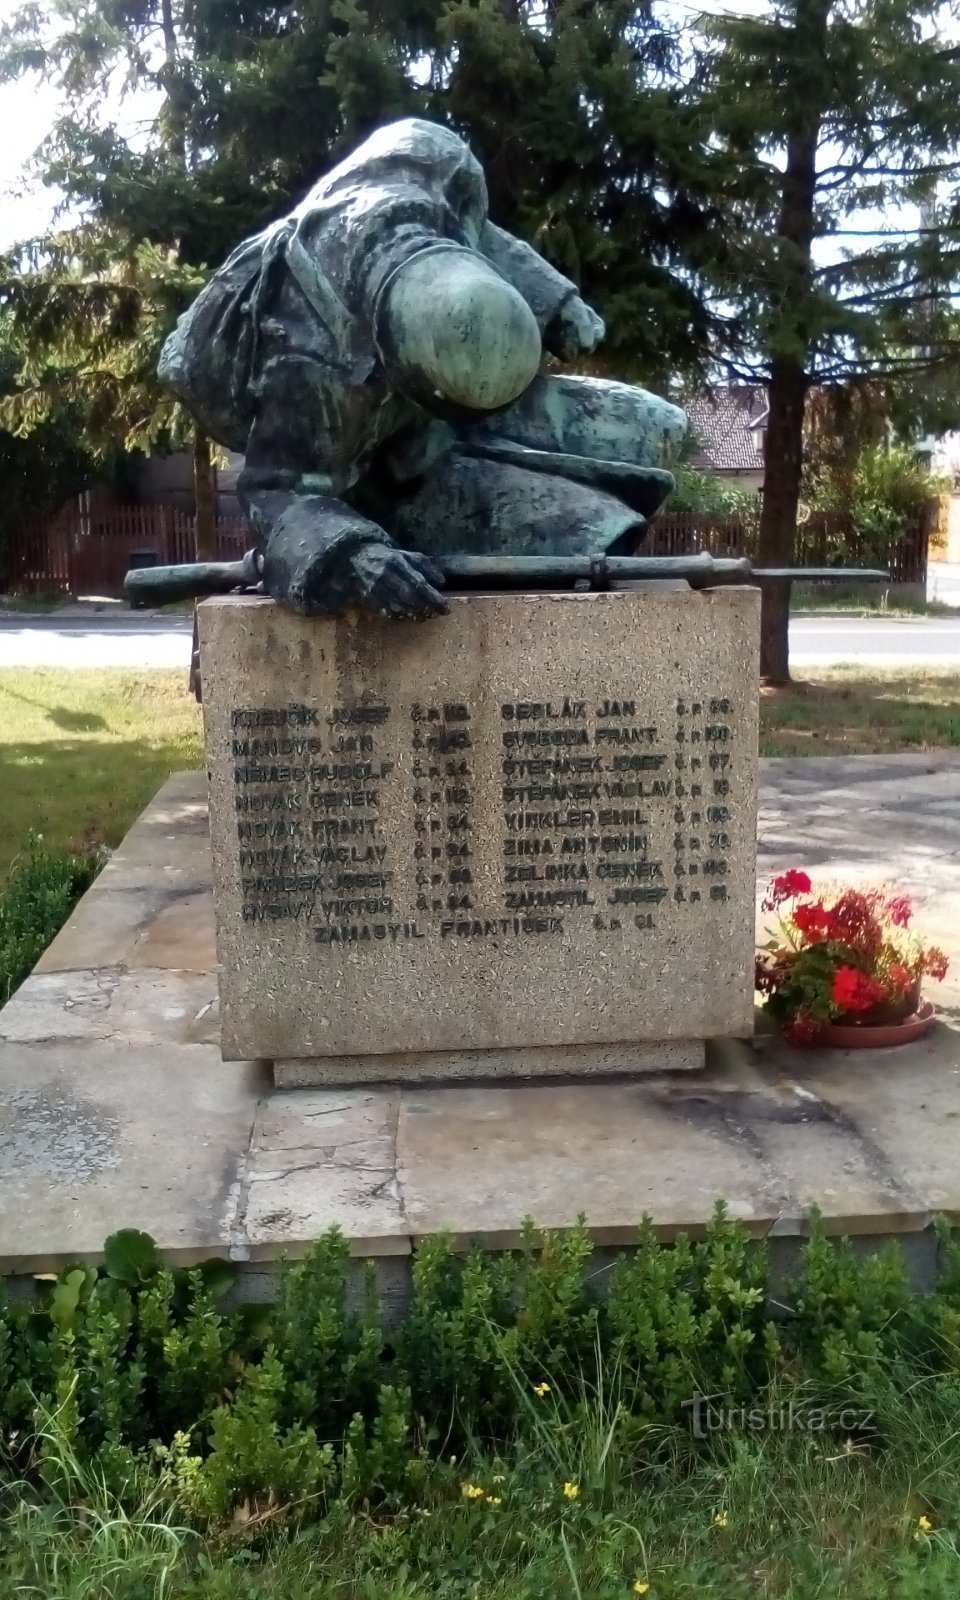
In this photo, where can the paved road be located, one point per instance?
(875, 641)
(127, 639)
(101, 639)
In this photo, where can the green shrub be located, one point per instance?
(39, 895)
(145, 1377)
(883, 493)
(701, 492)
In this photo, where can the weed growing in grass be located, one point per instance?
(84, 1540)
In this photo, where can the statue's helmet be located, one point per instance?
(454, 335)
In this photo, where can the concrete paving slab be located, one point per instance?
(153, 924)
(319, 1159)
(871, 816)
(96, 1137)
(170, 841)
(134, 1009)
(901, 1107)
(477, 1161)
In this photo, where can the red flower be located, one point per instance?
(804, 1028)
(786, 887)
(936, 964)
(854, 990)
(852, 921)
(900, 977)
(899, 910)
(812, 919)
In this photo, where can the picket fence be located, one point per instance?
(87, 551)
(823, 539)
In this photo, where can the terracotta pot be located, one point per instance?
(878, 1035)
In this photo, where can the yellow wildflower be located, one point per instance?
(472, 1491)
(923, 1526)
(571, 1490)
(640, 1587)
(540, 1389)
(493, 1499)
(720, 1519)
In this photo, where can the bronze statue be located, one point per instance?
(377, 356)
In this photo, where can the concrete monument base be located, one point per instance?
(478, 1066)
(117, 1111)
(513, 840)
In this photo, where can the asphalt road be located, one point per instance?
(875, 641)
(130, 639)
(118, 638)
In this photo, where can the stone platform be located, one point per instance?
(116, 1109)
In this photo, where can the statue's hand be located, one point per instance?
(576, 330)
(396, 583)
(321, 556)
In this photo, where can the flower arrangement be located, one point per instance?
(840, 954)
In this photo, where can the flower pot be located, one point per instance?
(861, 1035)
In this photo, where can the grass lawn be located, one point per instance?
(753, 1517)
(858, 711)
(81, 753)
(868, 605)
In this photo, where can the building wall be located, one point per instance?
(742, 480)
(952, 550)
(167, 480)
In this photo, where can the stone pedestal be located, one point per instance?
(518, 840)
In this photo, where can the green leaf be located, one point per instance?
(255, 1320)
(66, 1298)
(131, 1256)
(218, 1276)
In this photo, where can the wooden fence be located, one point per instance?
(825, 539)
(85, 550)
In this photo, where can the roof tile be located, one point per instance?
(720, 420)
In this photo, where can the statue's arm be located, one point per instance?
(319, 555)
(569, 327)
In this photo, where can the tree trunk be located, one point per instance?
(791, 337)
(171, 119)
(204, 500)
(786, 397)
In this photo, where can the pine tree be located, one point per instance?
(577, 112)
(839, 115)
(37, 472)
(87, 324)
(92, 304)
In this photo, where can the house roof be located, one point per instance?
(724, 422)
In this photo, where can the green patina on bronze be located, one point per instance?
(378, 356)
